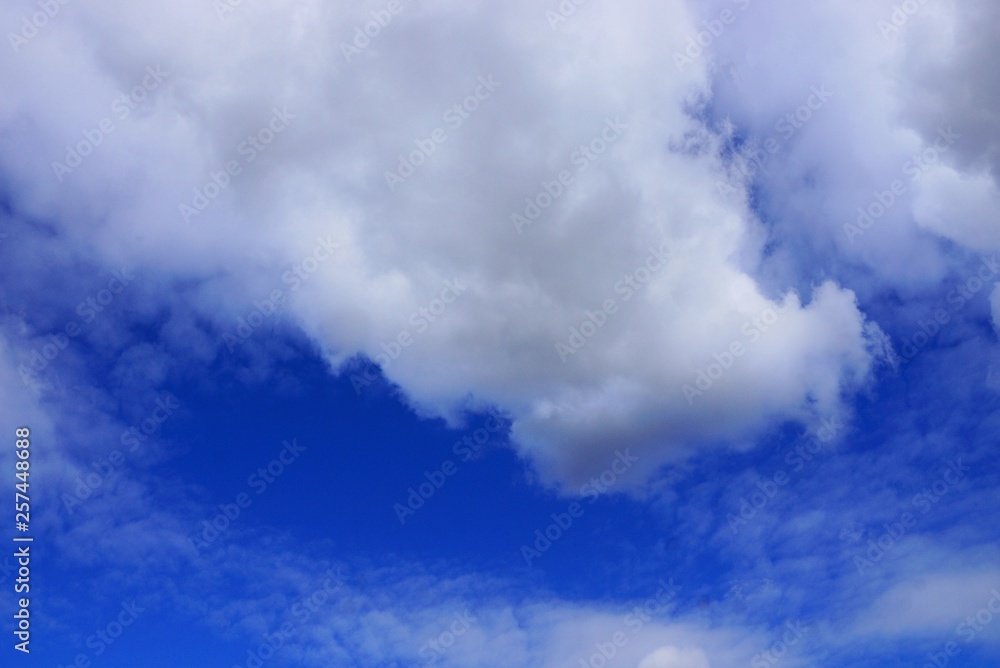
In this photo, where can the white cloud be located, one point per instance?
(656, 181)
(655, 185)
(527, 294)
(959, 206)
(931, 602)
(672, 657)
(892, 97)
(409, 615)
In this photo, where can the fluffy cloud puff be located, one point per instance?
(502, 189)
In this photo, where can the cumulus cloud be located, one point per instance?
(901, 154)
(518, 219)
(558, 231)
(621, 249)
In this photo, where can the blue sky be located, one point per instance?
(436, 333)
